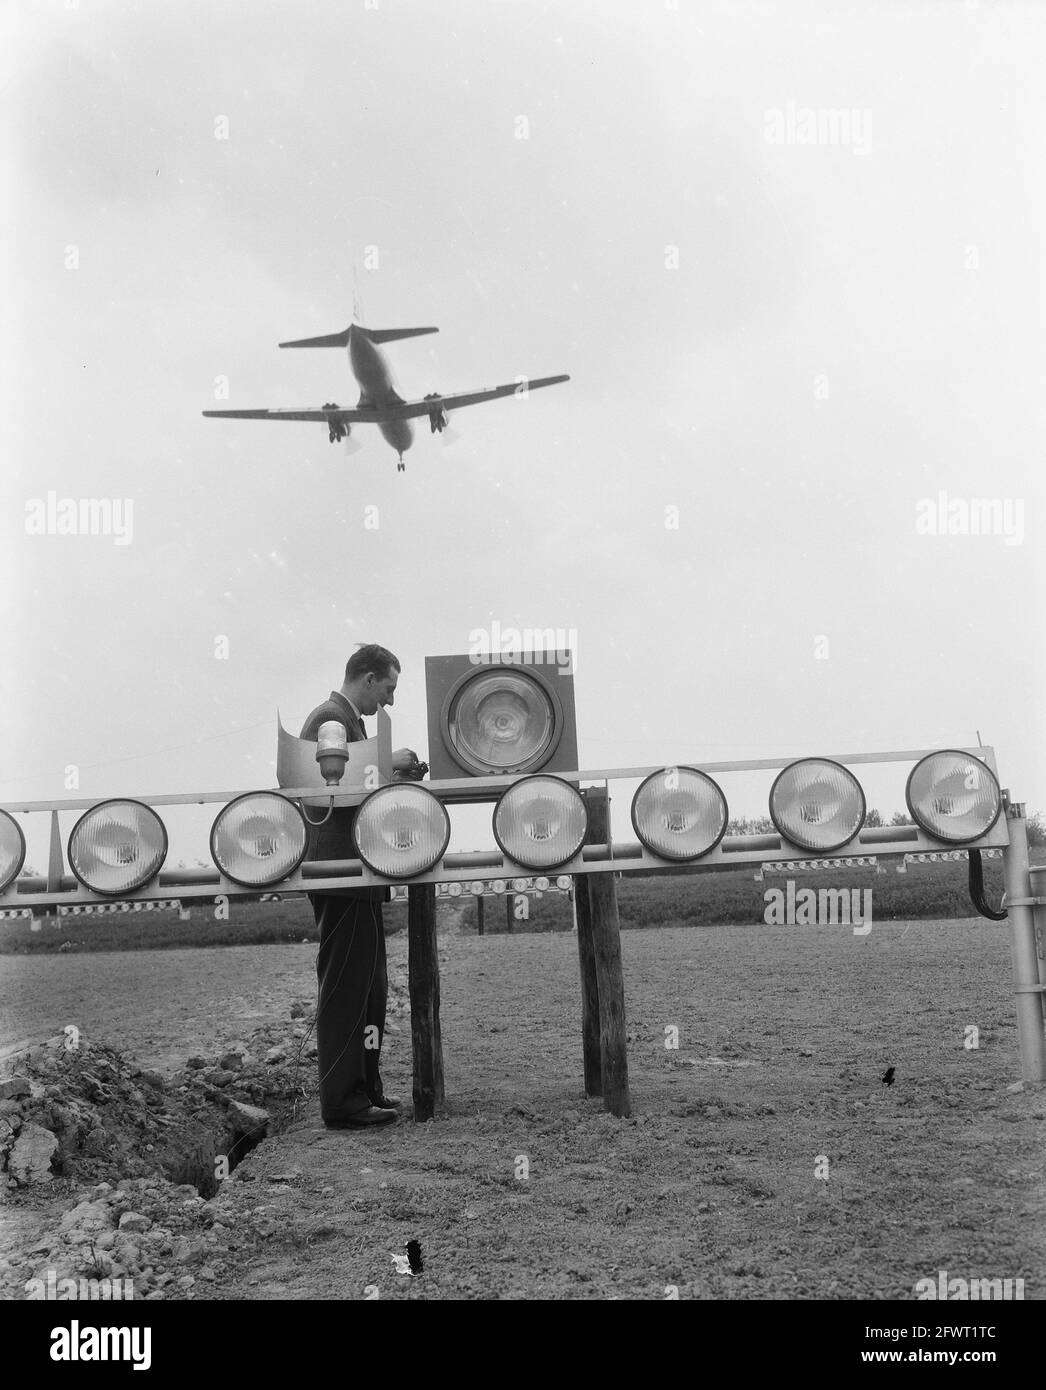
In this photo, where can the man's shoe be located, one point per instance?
(387, 1102)
(373, 1115)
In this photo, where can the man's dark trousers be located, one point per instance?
(353, 989)
(353, 979)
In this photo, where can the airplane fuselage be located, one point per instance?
(376, 387)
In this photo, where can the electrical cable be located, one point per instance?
(977, 890)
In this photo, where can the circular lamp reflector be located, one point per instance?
(401, 830)
(817, 804)
(679, 813)
(258, 839)
(540, 822)
(12, 850)
(953, 796)
(117, 846)
(504, 720)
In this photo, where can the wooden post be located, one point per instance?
(423, 983)
(479, 915)
(606, 942)
(589, 988)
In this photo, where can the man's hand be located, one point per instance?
(406, 767)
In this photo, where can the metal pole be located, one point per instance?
(1028, 985)
(55, 868)
(1038, 912)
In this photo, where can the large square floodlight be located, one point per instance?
(493, 715)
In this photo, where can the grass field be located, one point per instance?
(733, 897)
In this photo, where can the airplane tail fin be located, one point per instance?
(392, 335)
(331, 340)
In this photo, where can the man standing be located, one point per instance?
(353, 980)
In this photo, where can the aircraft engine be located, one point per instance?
(336, 429)
(438, 420)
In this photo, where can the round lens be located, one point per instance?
(258, 839)
(540, 822)
(679, 813)
(12, 850)
(817, 804)
(953, 796)
(401, 830)
(117, 846)
(502, 721)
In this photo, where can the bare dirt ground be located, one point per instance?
(523, 1188)
(156, 1005)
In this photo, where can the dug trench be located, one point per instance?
(111, 1168)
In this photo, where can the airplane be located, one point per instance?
(379, 404)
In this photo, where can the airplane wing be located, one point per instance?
(412, 409)
(322, 415)
(397, 410)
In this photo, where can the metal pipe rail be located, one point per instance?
(619, 856)
(626, 856)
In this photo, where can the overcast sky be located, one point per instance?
(792, 342)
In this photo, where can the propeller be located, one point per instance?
(339, 431)
(449, 434)
(439, 421)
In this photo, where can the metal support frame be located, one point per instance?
(1026, 947)
(593, 869)
(734, 851)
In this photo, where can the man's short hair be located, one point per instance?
(368, 658)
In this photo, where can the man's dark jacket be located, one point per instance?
(333, 839)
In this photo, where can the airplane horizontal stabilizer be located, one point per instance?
(392, 335)
(338, 340)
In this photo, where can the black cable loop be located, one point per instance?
(977, 889)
